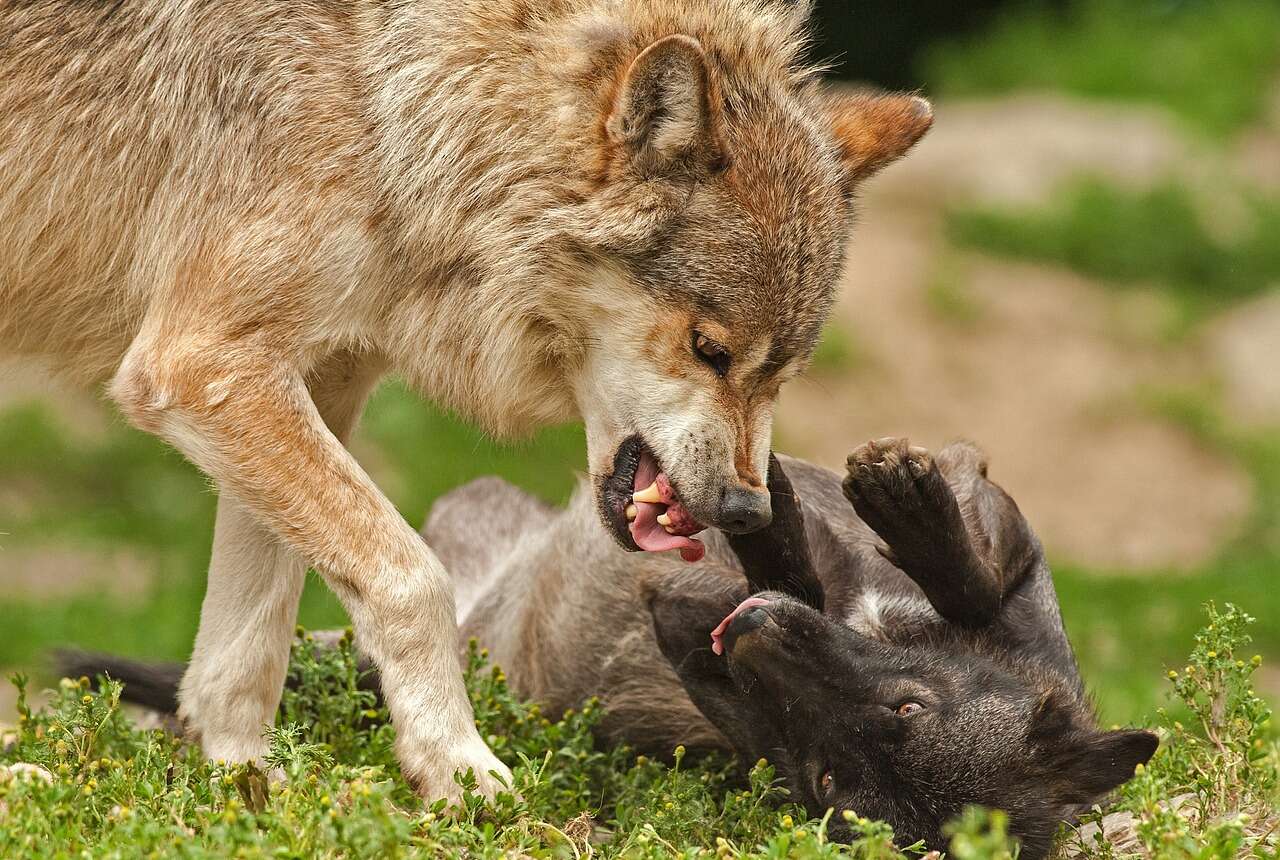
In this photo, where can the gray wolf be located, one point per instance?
(891, 643)
(241, 215)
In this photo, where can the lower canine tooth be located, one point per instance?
(669, 530)
(631, 512)
(649, 494)
(664, 519)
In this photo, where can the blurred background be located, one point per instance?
(1079, 269)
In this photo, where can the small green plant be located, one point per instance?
(1213, 788)
(981, 834)
(323, 692)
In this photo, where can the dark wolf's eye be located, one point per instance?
(711, 353)
(906, 709)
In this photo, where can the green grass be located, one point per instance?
(1153, 237)
(88, 783)
(1210, 62)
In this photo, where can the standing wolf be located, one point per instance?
(243, 214)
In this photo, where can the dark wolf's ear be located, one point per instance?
(1091, 767)
(664, 116)
(875, 129)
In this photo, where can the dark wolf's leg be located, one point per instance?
(964, 559)
(776, 558)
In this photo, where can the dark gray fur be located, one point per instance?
(948, 604)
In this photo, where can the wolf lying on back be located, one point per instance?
(903, 697)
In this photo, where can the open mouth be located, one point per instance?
(643, 509)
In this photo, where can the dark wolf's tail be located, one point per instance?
(152, 685)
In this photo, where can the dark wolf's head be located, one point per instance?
(904, 734)
(720, 183)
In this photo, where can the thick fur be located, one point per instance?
(241, 215)
(916, 579)
(962, 623)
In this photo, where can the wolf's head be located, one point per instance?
(907, 734)
(722, 182)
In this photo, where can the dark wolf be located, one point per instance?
(891, 642)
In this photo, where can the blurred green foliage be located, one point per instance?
(1211, 62)
(1154, 237)
(837, 350)
(123, 489)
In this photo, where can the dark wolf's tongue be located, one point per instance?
(647, 532)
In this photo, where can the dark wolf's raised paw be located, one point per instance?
(897, 489)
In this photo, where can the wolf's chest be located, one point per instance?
(884, 616)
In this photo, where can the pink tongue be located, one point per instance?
(717, 635)
(646, 531)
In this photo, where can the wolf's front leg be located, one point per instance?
(231, 688)
(898, 490)
(249, 421)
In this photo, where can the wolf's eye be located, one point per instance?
(825, 783)
(906, 709)
(712, 354)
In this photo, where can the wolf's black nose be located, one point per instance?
(744, 510)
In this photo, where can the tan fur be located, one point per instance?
(242, 214)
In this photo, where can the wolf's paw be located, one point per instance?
(897, 490)
(432, 777)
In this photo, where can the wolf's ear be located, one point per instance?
(664, 116)
(874, 130)
(1094, 765)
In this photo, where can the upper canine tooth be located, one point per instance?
(664, 519)
(631, 512)
(649, 494)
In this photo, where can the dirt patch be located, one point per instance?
(52, 572)
(1256, 153)
(1245, 346)
(1267, 681)
(1018, 150)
